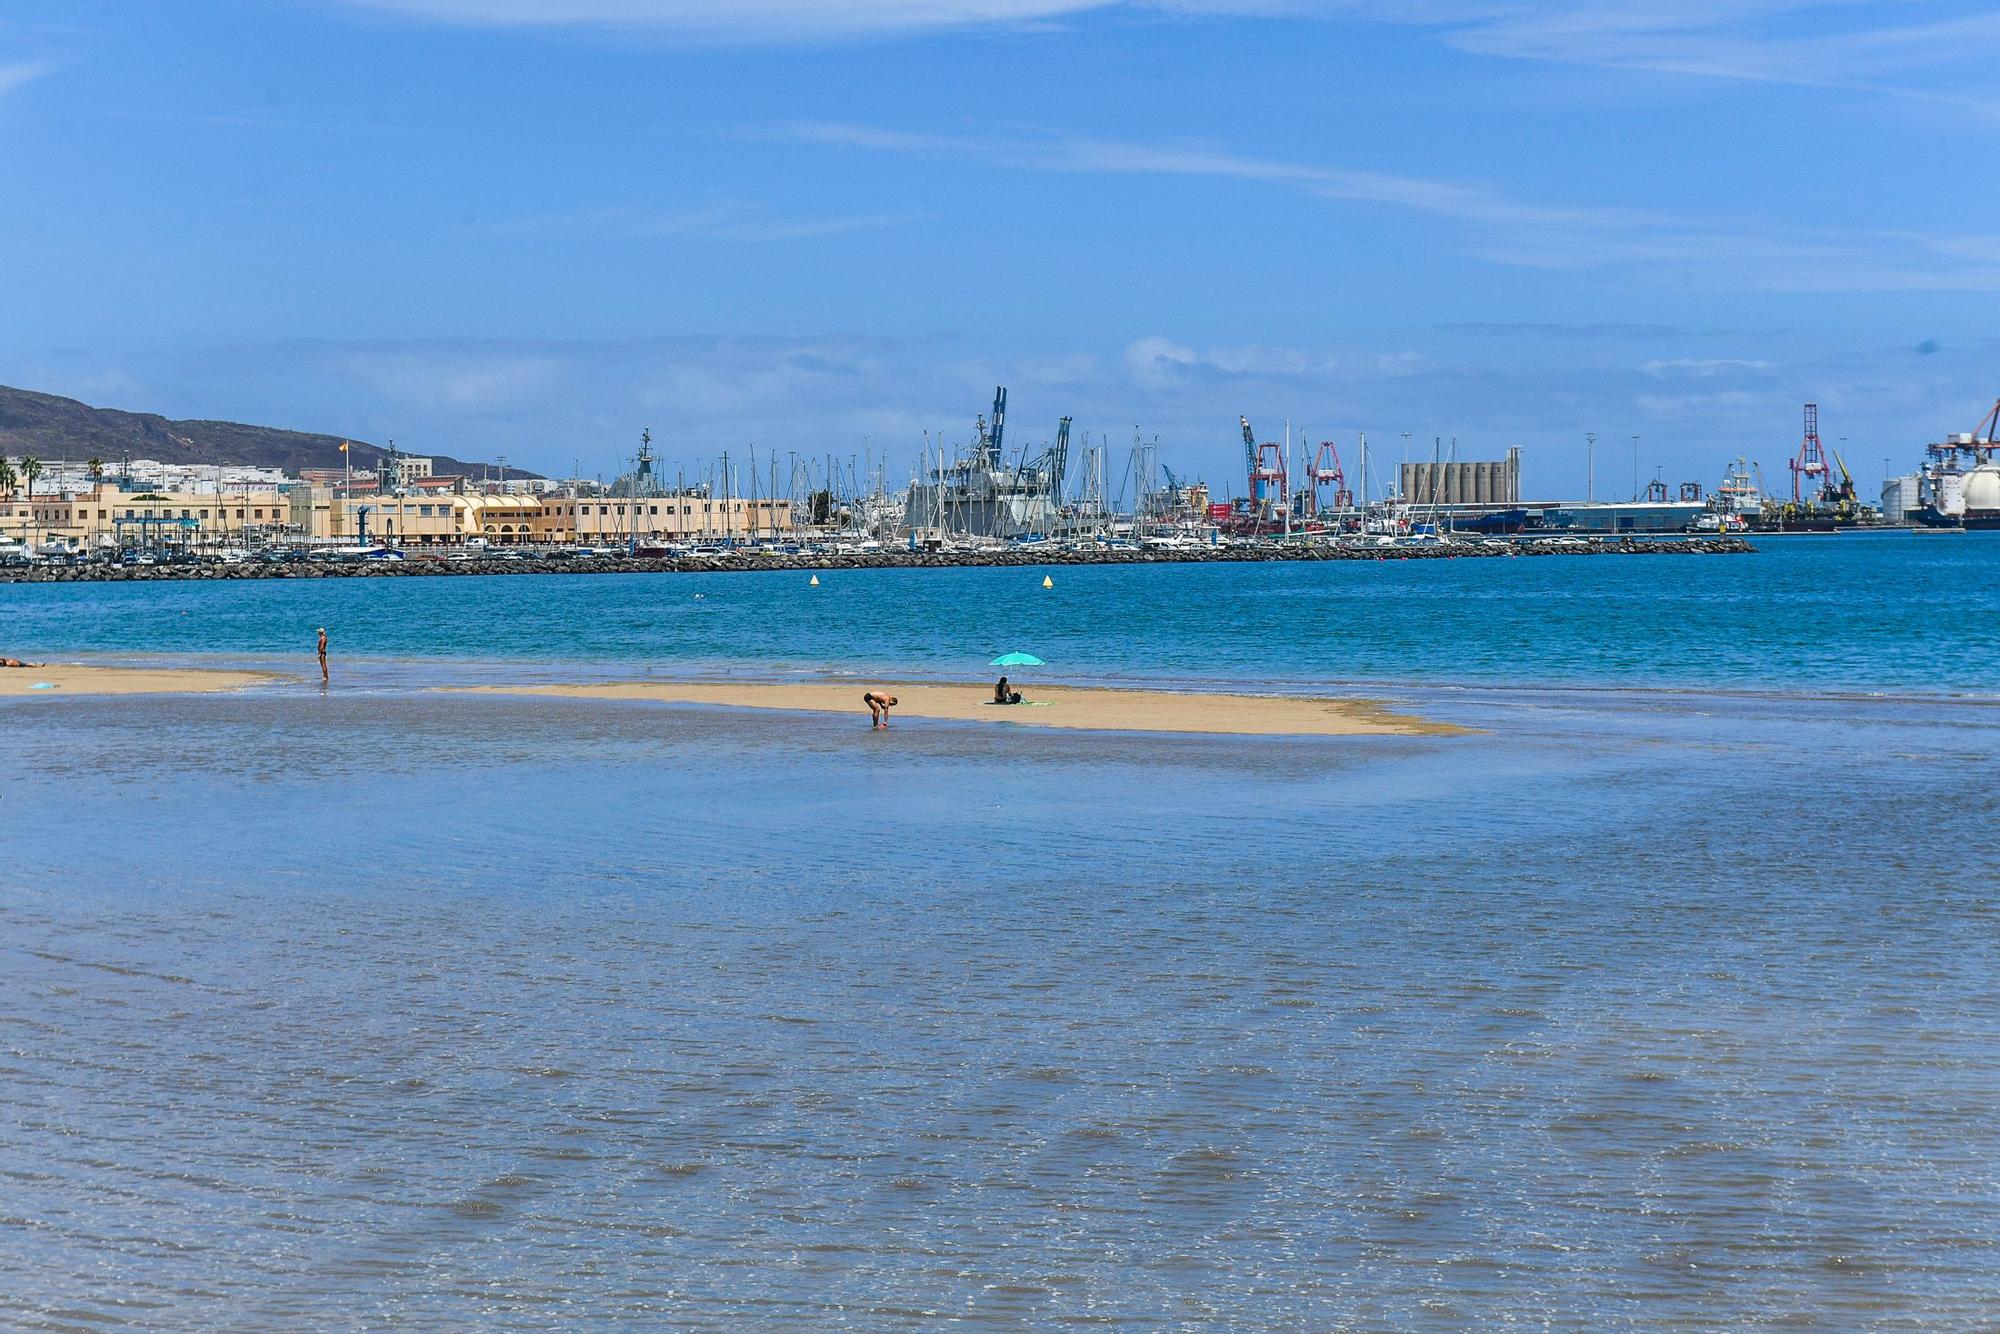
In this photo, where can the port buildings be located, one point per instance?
(1464, 494)
(1903, 497)
(666, 517)
(425, 511)
(1462, 483)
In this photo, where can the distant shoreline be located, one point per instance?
(418, 563)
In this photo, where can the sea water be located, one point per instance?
(1892, 612)
(1649, 1004)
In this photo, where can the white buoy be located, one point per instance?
(1047, 582)
(815, 581)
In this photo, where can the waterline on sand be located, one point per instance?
(1067, 707)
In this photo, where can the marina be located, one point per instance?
(987, 502)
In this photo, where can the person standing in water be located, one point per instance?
(879, 705)
(323, 677)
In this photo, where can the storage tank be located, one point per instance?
(1901, 497)
(1981, 494)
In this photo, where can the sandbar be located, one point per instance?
(1079, 708)
(58, 679)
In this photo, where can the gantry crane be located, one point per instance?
(1325, 470)
(1811, 460)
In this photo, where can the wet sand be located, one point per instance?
(1076, 708)
(58, 679)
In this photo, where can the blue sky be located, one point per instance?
(533, 227)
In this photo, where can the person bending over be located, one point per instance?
(879, 705)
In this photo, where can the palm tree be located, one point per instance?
(31, 468)
(7, 477)
(96, 470)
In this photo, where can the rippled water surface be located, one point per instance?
(428, 1011)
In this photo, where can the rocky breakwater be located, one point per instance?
(418, 564)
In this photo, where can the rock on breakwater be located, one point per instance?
(417, 564)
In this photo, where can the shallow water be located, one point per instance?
(1632, 1011)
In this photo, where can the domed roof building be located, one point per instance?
(1982, 491)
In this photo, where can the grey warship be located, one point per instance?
(979, 495)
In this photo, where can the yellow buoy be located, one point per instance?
(815, 581)
(1048, 582)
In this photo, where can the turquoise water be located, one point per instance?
(1634, 1009)
(438, 1012)
(1896, 613)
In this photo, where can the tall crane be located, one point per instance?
(1840, 497)
(1986, 435)
(1325, 470)
(1811, 460)
(1249, 456)
(1266, 464)
(999, 426)
(1059, 460)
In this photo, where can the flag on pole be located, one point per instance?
(343, 446)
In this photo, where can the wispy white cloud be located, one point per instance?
(1849, 45)
(741, 20)
(1779, 41)
(1060, 153)
(1703, 367)
(1745, 254)
(19, 75)
(1803, 43)
(544, 403)
(461, 380)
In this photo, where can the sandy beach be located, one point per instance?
(58, 679)
(1075, 708)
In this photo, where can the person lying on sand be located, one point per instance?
(1003, 694)
(16, 662)
(879, 705)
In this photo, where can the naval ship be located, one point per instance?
(980, 495)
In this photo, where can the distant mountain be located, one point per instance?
(62, 428)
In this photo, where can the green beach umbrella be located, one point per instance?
(1017, 660)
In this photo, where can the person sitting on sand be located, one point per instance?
(1003, 694)
(879, 705)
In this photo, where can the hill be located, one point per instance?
(51, 427)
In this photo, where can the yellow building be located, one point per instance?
(105, 516)
(319, 512)
(502, 520)
(16, 518)
(608, 520)
(403, 521)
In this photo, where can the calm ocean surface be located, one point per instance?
(1876, 613)
(1641, 1008)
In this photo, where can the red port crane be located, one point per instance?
(1986, 435)
(1325, 471)
(1811, 461)
(1266, 464)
